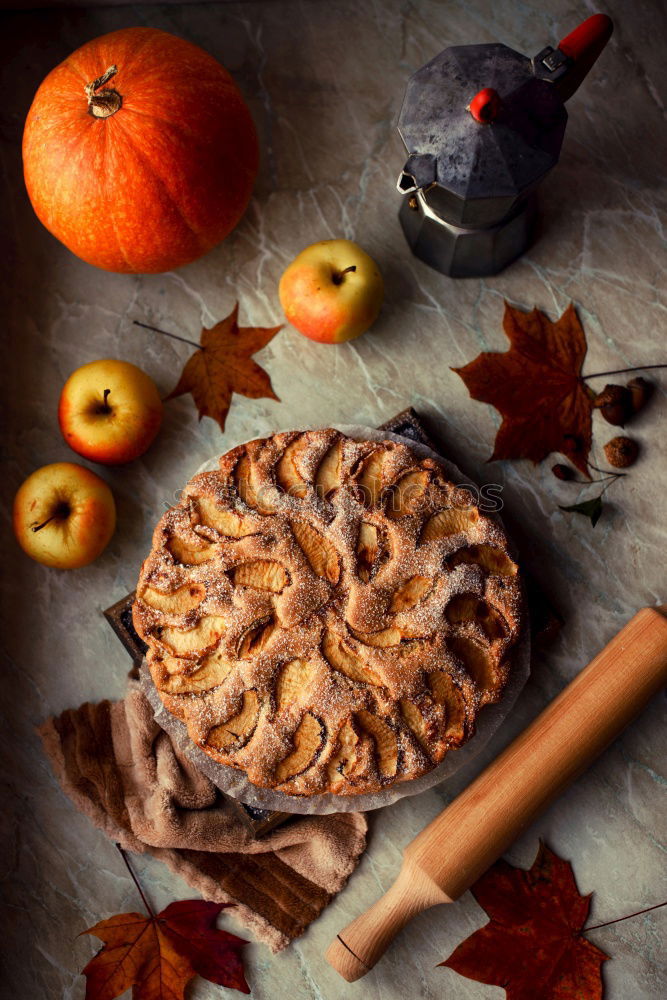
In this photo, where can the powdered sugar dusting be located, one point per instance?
(379, 672)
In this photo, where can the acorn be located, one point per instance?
(621, 452)
(615, 404)
(564, 472)
(640, 392)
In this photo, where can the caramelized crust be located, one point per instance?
(327, 615)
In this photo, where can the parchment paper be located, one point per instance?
(235, 783)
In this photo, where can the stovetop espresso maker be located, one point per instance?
(483, 125)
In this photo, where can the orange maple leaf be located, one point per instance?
(158, 955)
(533, 946)
(223, 365)
(537, 387)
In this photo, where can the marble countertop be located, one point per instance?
(324, 82)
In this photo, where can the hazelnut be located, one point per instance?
(640, 392)
(564, 472)
(615, 404)
(621, 452)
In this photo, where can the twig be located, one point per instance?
(591, 482)
(637, 913)
(622, 371)
(135, 880)
(606, 472)
(165, 333)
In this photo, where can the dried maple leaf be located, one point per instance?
(223, 365)
(533, 945)
(158, 955)
(537, 387)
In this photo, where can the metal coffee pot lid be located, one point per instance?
(483, 124)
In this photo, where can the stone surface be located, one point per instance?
(325, 82)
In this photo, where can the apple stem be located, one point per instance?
(338, 276)
(60, 513)
(165, 333)
(38, 527)
(105, 406)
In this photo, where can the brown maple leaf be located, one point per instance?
(223, 365)
(537, 387)
(158, 955)
(533, 945)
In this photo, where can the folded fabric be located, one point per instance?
(123, 772)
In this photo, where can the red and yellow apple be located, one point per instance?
(332, 291)
(109, 411)
(64, 515)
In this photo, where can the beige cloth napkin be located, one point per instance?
(122, 771)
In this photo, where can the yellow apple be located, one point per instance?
(332, 291)
(109, 411)
(64, 515)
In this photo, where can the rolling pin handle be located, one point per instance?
(359, 947)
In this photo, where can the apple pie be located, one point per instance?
(328, 615)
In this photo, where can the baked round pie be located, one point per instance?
(328, 615)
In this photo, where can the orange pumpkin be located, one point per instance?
(139, 152)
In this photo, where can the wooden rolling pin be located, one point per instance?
(450, 854)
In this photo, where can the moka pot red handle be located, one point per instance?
(583, 46)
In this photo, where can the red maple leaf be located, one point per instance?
(157, 955)
(533, 946)
(537, 387)
(223, 365)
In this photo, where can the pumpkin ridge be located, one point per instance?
(166, 123)
(186, 132)
(178, 47)
(121, 248)
(163, 184)
(68, 66)
(128, 58)
(178, 128)
(112, 214)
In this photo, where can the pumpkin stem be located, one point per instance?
(108, 101)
